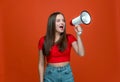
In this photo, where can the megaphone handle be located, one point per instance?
(79, 33)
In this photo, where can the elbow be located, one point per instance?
(82, 54)
(41, 64)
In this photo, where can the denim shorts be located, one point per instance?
(58, 74)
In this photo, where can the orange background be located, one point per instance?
(23, 22)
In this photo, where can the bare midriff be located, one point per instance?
(61, 64)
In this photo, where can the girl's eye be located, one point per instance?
(63, 20)
(58, 20)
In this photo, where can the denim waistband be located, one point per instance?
(58, 68)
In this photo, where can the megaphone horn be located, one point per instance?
(84, 18)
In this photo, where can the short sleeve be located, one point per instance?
(41, 42)
(71, 38)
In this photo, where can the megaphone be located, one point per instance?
(84, 18)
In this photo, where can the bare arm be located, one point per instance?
(41, 65)
(78, 45)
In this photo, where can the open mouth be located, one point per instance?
(61, 27)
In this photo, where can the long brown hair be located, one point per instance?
(50, 36)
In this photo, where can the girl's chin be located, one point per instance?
(61, 31)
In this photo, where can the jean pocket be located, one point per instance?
(68, 76)
(48, 71)
(68, 72)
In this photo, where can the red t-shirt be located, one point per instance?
(57, 56)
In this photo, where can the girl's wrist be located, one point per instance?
(79, 33)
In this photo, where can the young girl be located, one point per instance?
(55, 47)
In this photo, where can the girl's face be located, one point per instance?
(60, 23)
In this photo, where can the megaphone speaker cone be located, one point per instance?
(84, 18)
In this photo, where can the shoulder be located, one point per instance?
(41, 42)
(70, 38)
(69, 35)
(42, 39)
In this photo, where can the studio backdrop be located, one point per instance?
(23, 22)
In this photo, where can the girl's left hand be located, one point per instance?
(78, 29)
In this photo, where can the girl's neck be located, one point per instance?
(57, 36)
